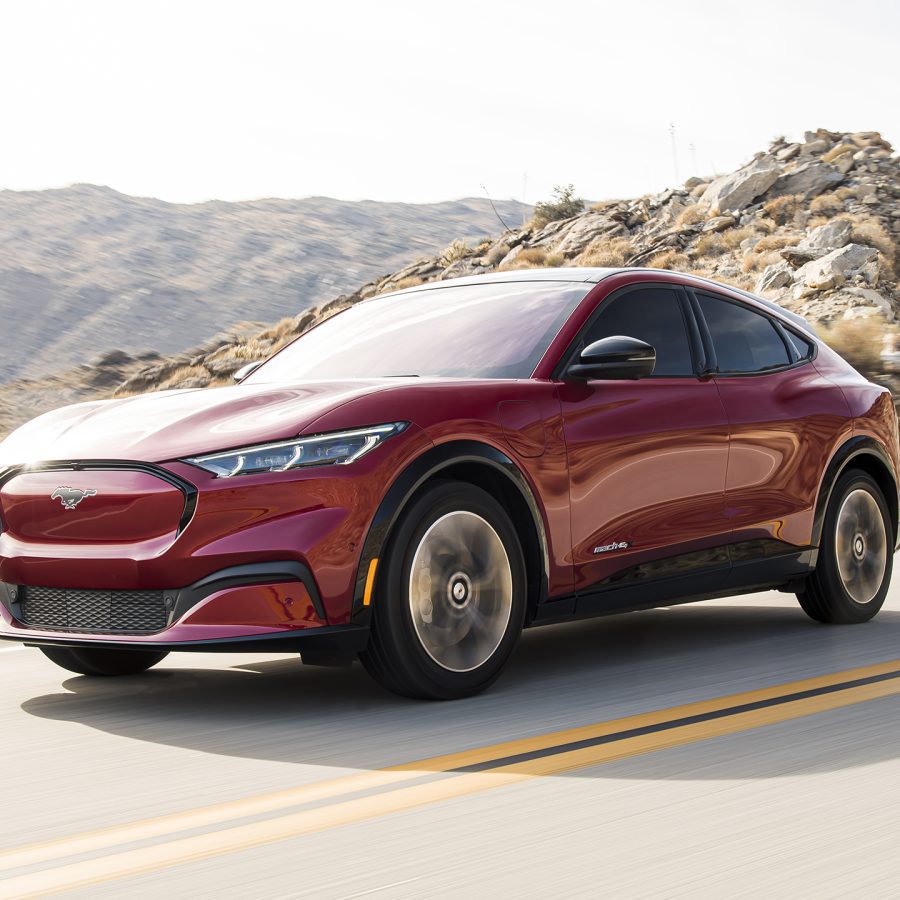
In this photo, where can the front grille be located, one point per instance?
(111, 612)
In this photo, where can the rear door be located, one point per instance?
(783, 418)
(647, 458)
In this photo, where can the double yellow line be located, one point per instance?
(368, 795)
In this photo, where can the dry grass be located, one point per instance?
(782, 210)
(733, 237)
(555, 260)
(669, 259)
(710, 245)
(859, 341)
(495, 255)
(607, 253)
(872, 233)
(456, 251)
(826, 205)
(187, 375)
(408, 282)
(531, 258)
(838, 151)
(693, 215)
(756, 262)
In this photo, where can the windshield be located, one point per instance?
(487, 330)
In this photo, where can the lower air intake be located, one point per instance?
(105, 612)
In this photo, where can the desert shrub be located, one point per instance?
(457, 250)
(607, 253)
(669, 259)
(408, 282)
(564, 205)
(826, 205)
(186, 377)
(530, 258)
(554, 260)
(732, 237)
(495, 255)
(782, 210)
(859, 341)
(777, 241)
(872, 233)
(692, 215)
(710, 245)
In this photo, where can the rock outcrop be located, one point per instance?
(813, 225)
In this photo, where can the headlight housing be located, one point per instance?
(335, 449)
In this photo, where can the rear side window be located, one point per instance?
(744, 341)
(803, 347)
(652, 315)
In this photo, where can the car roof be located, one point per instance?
(595, 274)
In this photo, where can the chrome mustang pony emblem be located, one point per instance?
(70, 497)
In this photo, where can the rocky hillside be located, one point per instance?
(84, 270)
(813, 225)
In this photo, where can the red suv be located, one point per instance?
(419, 477)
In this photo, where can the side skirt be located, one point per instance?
(744, 572)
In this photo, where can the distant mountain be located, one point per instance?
(85, 269)
(812, 225)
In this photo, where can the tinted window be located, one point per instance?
(493, 330)
(803, 347)
(652, 315)
(744, 341)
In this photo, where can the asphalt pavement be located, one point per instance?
(729, 748)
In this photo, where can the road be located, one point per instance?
(235, 776)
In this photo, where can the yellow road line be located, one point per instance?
(187, 849)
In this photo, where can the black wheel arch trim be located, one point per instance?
(853, 449)
(420, 470)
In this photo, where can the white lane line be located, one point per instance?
(383, 887)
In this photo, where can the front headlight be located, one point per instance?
(335, 449)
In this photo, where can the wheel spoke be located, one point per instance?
(460, 591)
(860, 543)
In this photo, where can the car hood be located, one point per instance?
(173, 424)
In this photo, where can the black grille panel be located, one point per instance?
(107, 612)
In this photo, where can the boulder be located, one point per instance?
(829, 236)
(808, 180)
(731, 193)
(834, 268)
(779, 275)
(585, 230)
(719, 223)
(789, 152)
(800, 256)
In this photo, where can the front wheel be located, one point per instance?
(856, 554)
(100, 661)
(450, 599)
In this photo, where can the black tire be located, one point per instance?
(826, 596)
(100, 661)
(398, 654)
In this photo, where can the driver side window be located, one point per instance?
(653, 315)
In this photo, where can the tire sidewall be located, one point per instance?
(393, 614)
(846, 607)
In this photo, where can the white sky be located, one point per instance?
(423, 101)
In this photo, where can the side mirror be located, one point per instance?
(614, 358)
(244, 371)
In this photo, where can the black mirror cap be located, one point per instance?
(249, 369)
(615, 358)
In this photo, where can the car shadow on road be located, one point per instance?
(560, 677)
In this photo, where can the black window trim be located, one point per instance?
(781, 329)
(693, 331)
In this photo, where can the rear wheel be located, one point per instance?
(451, 596)
(100, 661)
(855, 556)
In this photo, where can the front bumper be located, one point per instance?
(271, 606)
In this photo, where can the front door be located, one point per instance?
(647, 458)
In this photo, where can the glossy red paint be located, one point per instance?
(284, 606)
(667, 466)
(106, 508)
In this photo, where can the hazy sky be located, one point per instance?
(424, 101)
